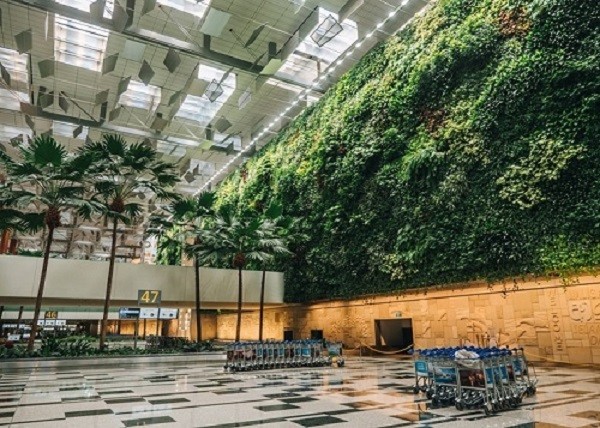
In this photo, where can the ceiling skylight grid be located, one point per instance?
(79, 44)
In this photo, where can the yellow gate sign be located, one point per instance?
(51, 315)
(149, 297)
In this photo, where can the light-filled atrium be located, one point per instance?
(300, 213)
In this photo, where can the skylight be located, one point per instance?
(194, 108)
(193, 7)
(299, 67)
(11, 100)
(141, 96)
(201, 109)
(335, 46)
(65, 129)
(15, 64)
(79, 44)
(9, 132)
(224, 140)
(85, 6)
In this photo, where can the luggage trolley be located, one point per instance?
(443, 390)
(247, 356)
(423, 373)
(523, 378)
(475, 385)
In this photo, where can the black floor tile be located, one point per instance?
(282, 395)
(124, 400)
(120, 391)
(169, 401)
(95, 412)
(229, 391)
(276, 407)
(318, 421)
(301, 389)
(148, 421)
(294, 400)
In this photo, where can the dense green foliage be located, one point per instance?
(464, 148)
(85, 346)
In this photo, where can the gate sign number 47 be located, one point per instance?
(149, 297)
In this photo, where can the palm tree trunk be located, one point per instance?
(38, 299)
(109, 284)
(198, 319)
(72, 237)
(238, 326)
(261, 313)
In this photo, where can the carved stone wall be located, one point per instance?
(551, 320)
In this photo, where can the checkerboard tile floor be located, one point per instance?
(368, 392)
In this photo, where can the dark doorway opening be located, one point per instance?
(316, 334)
(288, 334)
(394, 333)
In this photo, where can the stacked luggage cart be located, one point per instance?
(248, 356)
(491, 379)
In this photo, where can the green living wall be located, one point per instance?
(467, 147)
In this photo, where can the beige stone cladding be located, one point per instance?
(551, 319)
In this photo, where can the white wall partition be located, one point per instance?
(79, 280)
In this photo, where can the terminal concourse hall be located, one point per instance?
(300, 213)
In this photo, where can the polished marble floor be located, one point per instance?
(368, 392)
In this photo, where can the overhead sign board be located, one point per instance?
(148, 313)
(129, 313)
(149, 297)
(168, 313)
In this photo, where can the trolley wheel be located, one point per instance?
(435, 402)
(416, 389)
(429, 394)
(531, 390)
(459, 405)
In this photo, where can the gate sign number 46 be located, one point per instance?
(149, 297)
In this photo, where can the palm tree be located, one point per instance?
(187, 219)
(233, 241)
(46, 180)
(274, 237)
(123, 172)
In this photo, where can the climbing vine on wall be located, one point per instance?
(467, 147)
